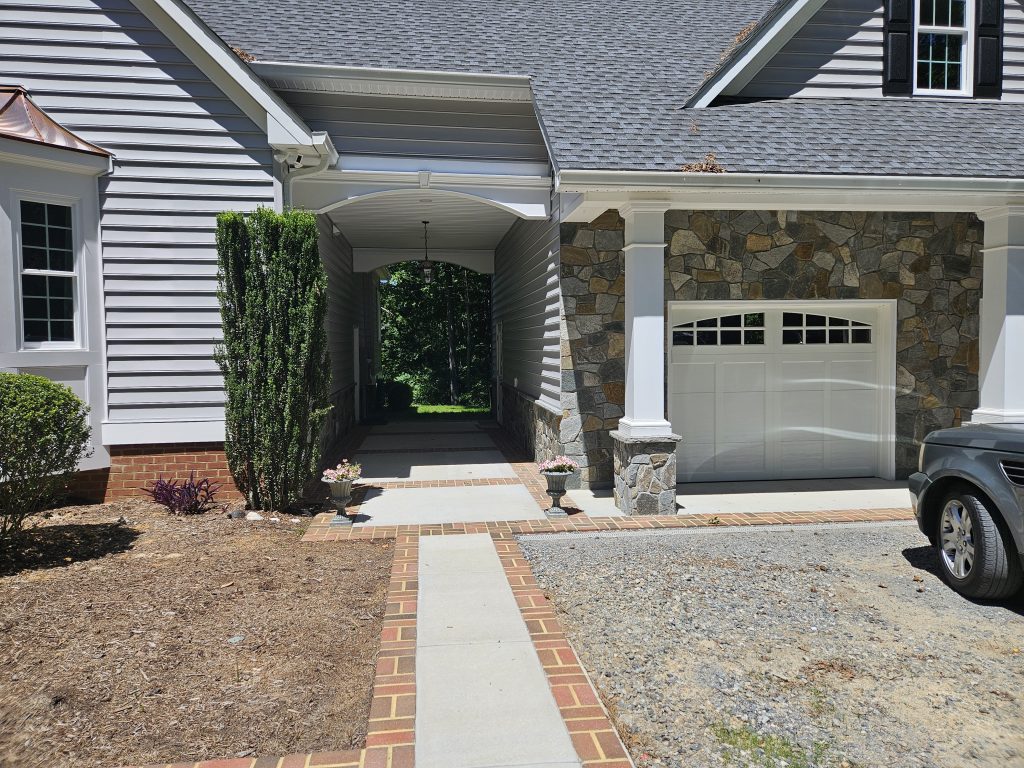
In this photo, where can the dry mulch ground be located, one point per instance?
(165, 638)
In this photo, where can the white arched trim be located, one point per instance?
(527, 197)
(369, 259)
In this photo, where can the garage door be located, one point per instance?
(779, 390)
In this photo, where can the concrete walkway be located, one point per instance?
(482, 698)
(768, 496)
(421, 473)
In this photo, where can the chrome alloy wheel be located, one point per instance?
(957, 540)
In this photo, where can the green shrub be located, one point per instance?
(273, 296)
(399, 396)
(44, 431)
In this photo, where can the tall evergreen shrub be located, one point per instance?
(273, 296)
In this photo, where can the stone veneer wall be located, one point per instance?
(592, 344)
(929, 263)
(533, 427)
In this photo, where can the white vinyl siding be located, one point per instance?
(435, 128)
(526, 302)
(839, 53)
(183, 152)
(344, 306)
(1013, 51)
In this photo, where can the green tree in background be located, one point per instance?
(437, 337)
(273, 293)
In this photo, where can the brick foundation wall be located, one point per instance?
(133, 467)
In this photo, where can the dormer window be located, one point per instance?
(944, 51)
(943, 48)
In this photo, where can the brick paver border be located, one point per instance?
(593, 735)
(323, 527)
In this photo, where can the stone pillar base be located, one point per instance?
(645, 474)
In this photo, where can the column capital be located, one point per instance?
(1004, 226)
(645, 224)
(643, 206)
(1001, 212)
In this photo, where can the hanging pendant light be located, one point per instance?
(426, 267)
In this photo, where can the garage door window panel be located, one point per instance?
(800, 328)
(725, 331)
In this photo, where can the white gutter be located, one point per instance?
(670, 181)
(590, 193)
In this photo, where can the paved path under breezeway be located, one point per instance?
(422, 473)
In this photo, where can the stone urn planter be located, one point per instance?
(556, 473)
(340, 480)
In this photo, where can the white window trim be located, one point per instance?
(80, 341)
(967, 33)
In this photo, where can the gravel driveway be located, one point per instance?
(801, 647)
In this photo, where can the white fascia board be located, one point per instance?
(53, 158)
(602, 190)
(756, 51)
(162, 432)
(218, 62)
(369, 81)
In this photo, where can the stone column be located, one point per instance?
(644, 446)
(1001, 348)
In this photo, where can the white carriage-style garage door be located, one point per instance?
(782, 390)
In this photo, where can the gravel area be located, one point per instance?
(806, 647)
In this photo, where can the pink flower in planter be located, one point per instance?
(558, 464)
(344, 471)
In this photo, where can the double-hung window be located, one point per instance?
(944, 51)
(48, 277)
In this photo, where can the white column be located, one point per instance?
(1001, 347)
(645, 320)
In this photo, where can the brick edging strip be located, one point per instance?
(324, 529)
(593, 735)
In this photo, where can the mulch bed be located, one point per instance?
(129, 636)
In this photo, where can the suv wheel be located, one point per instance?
(976, 556)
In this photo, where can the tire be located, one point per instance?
(976, 555)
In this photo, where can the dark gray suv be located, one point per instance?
(969, 501)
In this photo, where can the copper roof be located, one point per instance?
(21, 119)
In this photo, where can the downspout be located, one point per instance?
(328, 156)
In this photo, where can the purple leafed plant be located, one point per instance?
(189, 497)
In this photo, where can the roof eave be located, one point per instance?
(598, 190)
(39, 154)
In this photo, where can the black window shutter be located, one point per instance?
(898, 67)
(988, 59)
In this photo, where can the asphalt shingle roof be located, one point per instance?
(611, 78)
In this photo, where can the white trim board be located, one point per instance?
(162, 432)
(285, 130)
(750, 55)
